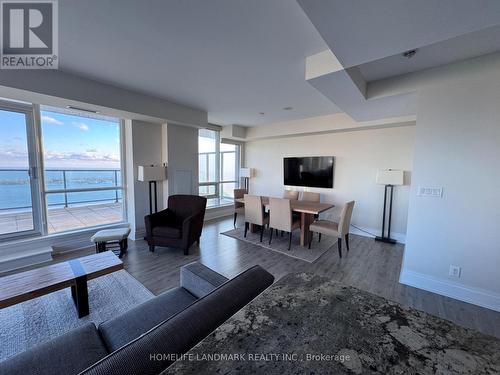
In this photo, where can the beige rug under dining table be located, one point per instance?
(307, 211)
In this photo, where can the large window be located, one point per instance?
(218, 168)
(80, 185)
(82, 169)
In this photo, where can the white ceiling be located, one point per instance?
(369, 37)
(360, 31)
(232, 58)
(459, 48)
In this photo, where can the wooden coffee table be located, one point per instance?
(74, 273)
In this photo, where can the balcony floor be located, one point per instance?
(63, 219)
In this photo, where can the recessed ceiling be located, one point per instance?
(463, 47)
(369, 38)
(233, 58)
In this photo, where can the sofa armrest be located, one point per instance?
(180, 333)
(68, 353)
(200, 280)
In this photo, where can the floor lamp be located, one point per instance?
(389, 178)
(246, 173)
(152, 175)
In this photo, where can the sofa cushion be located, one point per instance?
(167, 232)
(124, 328)
(67, 354)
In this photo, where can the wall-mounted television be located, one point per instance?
(311, 171)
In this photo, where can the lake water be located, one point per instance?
(15, 188)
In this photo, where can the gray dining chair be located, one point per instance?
(338, 230)
(239, 208)
(281, 219)
(291, 194)
(309, 196)
(254, 213)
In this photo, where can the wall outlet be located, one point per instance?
(455, 271)
(436, 192)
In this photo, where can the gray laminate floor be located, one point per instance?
(371, 266)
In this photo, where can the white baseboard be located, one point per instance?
(476, 296)
(139, 234)
(370, 232)
(217, 212)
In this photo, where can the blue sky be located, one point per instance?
(69, 141)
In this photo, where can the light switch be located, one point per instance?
(436, 192)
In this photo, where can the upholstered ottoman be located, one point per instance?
(111, 239)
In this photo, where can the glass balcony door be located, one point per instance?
(19, 200)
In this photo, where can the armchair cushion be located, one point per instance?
(167, 232)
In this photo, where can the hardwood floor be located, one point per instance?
(369, 265)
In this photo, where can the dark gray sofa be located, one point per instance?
(171, 323)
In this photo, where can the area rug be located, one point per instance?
(29, 323)
(310, 324)
(280, 244)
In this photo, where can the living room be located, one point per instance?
(249, 187)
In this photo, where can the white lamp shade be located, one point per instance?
(390, 177)
(246, 172)
(148, 173)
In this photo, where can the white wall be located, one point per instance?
(358, 155)
(144, 147)
(182, 158)
(457, 147)
(54, 87)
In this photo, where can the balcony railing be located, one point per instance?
(63, 187)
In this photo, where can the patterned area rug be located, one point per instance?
(280, 244)
(32, 322)
(306, 324)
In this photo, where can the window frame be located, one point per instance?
(33, 168)
(32, 112)
(219, 169)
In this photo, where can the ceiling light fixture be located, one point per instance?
(287, 108)
(262, 113)
(409, 54)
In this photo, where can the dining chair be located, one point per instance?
(309, 196)
(339, 230)
(281, 219)
(239, 208)
(291, 194)
(254, 213)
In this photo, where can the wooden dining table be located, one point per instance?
(306, 209)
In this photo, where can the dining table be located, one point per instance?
(307, 211)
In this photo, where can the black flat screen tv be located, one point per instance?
(311, 171)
